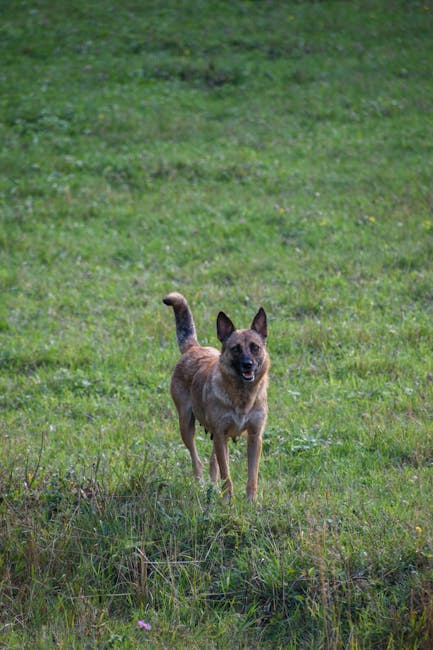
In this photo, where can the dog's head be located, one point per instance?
(244, 351)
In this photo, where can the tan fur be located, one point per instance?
(225, 391)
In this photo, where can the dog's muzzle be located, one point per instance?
(247, 370)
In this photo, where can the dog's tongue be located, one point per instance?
(248, 374)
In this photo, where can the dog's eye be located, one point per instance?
(254, 348)
(236, 349)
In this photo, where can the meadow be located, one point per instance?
(244, 153)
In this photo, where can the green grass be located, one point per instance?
(247, 153)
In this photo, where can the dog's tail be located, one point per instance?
(185, 328)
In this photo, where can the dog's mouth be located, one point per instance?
(248, 375)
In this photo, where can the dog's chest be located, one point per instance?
(222, 412)
(236, 421)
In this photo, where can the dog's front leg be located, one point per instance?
(220, 449)
(254, 453)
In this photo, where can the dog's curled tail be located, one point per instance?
(185, 328)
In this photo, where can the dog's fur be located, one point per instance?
(225, 391)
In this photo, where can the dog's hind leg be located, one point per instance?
(187, 431)
(220, 449)
(214, 469)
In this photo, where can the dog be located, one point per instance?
(226, 391)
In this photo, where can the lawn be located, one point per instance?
(246, 153)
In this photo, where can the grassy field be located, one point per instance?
(245, 154)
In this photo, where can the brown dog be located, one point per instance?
(225, 391)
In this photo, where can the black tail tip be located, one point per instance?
(171, 299)
(175, 300)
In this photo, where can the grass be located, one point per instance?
(243, 153)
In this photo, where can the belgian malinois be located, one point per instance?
(225, 391)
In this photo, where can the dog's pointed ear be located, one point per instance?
(224, 327)
(260, 323)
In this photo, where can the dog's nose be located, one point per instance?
(246, 363)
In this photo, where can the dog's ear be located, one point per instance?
(260, 324)
(224, 327)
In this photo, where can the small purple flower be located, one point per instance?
(145, 626)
